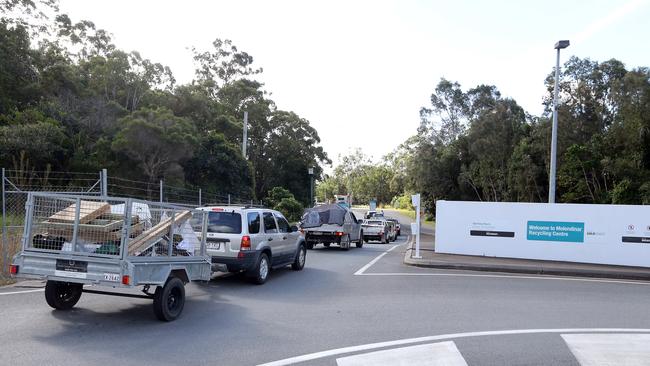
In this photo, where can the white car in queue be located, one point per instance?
(252, 240)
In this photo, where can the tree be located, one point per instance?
(156, 139)
(17, 74)
(219, 165)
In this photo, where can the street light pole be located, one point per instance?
(551, 177)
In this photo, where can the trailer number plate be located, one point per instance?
(71, 268)
(113, 277)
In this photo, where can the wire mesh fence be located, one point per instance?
(84, 225)
(17, 183)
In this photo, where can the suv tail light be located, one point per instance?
(245, 243)
(338, 233)
(13, 269)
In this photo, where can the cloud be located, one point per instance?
(608, 20)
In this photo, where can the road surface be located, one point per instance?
(360, 307)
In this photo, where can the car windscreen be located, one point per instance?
(224, 222)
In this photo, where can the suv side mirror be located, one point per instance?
(294, 228)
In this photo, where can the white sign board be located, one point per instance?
(604, 234)
(415, 200)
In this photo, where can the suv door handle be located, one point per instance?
(270, 239)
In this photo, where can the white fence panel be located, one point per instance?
(604, 234)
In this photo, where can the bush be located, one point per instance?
(276, 195)
(402, 202)
(290, 208)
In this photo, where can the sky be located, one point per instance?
(360, 71)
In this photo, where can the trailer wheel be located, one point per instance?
(62, 295)
(168, 301)
(326, 245)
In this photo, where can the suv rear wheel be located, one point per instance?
(260, 273)
(299, 263)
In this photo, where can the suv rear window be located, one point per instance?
(253, 222)
(224, 222)
(269, 224)
(375, 222)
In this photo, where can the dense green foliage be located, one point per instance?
(71, 101)
(476, 145)
(282, 200)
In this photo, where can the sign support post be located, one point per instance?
(415, 199)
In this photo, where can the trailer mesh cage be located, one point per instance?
(113, 227)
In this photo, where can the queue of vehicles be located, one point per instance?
(73, 242)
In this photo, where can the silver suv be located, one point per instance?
(252, 240)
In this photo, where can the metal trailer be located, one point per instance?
(80, 243)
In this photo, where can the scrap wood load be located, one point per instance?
(100, 230)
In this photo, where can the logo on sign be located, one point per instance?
(630, 227)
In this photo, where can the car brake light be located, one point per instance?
(126, 280)
(338, 233)
(245, 242)
(13, 269)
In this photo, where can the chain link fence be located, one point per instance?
(16, 184)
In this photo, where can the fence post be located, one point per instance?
(5, 243)
(199, 196)
(104, 184)
(161, 191)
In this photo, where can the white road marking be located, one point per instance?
(364, 268)
(21, 292)
(443, 337)
(514, 276)
(434, 354)
(609, 349)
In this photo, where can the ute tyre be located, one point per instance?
(360, 244)
(260, 274)
(345, 245)
(169, 300)
(299, 263)
(62, 295)
(386, 239)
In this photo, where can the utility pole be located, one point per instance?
(245, 139)
(311, 186)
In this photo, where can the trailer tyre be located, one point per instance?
(310, 245)
(62, 295)
(168, 301)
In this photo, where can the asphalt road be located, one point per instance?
(340, 310)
